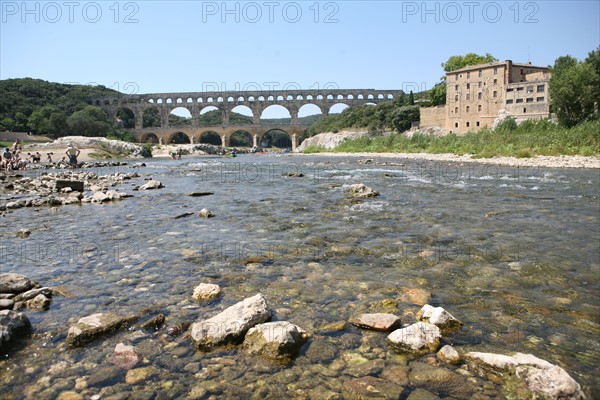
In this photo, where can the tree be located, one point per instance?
(91, 121)
(39, 123)
(458, 62)
(411, 99)
(403, 117)
(573, 87)
(438, 93)
(593, 60)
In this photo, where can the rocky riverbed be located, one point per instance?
(316, 279)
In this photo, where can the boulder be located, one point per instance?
(438, 317)
(378, 322)
(39, 302)
(23, 233)
(205, 291)
(12, 324)
(231, 325)
(278, 340)
(153, 184)
(448, 355)
(205, 213)
(14, 283)
(96, 325)
(30, 294)
(527, 375)
(99, 197)
(6, 304)
(76, 186)
(419, 338)
(361, 190)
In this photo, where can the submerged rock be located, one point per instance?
(370, 387)
(231, 325)
(12, 324)
(419, 338)
(125, 357)
(361, 190)
(205, 291)
(14, 283)
(378, 322)
(438, 317)
(524, 373)
(279, 340)
(39, 302)
(96, 325)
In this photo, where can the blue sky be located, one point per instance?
(172, 46)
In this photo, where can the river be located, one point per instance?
(512, 253)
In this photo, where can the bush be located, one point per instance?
(146, 150)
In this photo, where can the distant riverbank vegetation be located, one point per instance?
(533, 137)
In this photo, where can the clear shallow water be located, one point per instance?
(513, 253)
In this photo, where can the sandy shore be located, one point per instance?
(538, 161)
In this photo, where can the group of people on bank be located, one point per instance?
(12, 158)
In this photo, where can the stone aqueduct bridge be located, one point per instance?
(225, 102)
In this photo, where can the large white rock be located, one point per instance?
(279, 340)
(153, 184)
(419, 338)
(362, 190)
(329, 140)
(438, 317)
(231, 325)
(377, 321)
(538, 376)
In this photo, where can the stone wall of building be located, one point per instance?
(433, 116)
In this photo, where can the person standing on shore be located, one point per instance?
(72, 152)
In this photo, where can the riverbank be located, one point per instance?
(537, 161)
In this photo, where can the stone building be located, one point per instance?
(476, 94)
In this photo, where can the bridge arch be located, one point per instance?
(178, 137)
(274, 109)
(241, 138)
(149, 137)
(276, 138)
(151, 117)
(125, 117)
(338, 108)
(209, 137)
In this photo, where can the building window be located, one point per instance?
(468, 108)
(521, 71)
(479, 84)
(479, 95)
(468, 86)
(529, 100)
(495, 94)
(524, 111)
(540, 88)
(455, 110)
(495, 81)
(479, 107)
(519, 101)
(509, 101)
(530, 89)
(456, 124)
(477, 123)
(456, 77)
(540, 99)
(468, 96)
(468, 75)
(510, 89)
(456, 88)
(456, 98)
(480, 72)
(495, 70)
(519, 89)
(468, 123)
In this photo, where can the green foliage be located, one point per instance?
(437, 94)
(276, 138)
(123, 135)
(20, 98)
(151, 118)
(403, 117)
(373, 118)
(314, 149)
(574, 91)
(177, 121)
(508, 125)
(240, 139)
(458, 62)
(90, 121)
(146, 150)
(532, 137)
